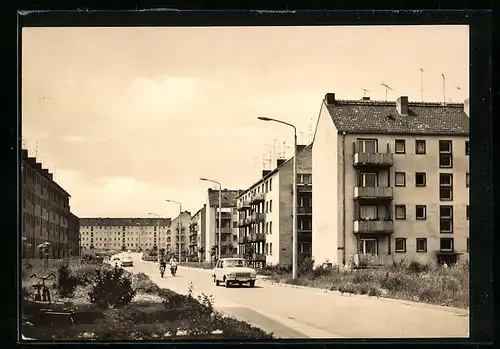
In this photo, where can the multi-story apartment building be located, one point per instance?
(197, 235)
(181, 222)
(73, 235)
(229, 223)
(45, 210)
(122, 234)
(391, 182)
(265, 219)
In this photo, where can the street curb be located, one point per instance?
(385, 299)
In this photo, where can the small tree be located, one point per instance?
(66, 283)
(249, 251)
(112, 289)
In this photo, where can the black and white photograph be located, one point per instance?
(245, 182)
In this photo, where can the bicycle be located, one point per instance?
(162, 270)
(42, 292)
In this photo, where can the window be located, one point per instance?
(270, 227)
(367, 179)
(367, 146)
(368, 246)
(446, 244)
(467, 212)
(267, 206)
(446, 219)
(467, 180)
(400, 146)
(445, 154)
(421, 244)
(270, 205)
(235, 224)
(368, 212)
(400, 212)
(467, 147)
(271, 248)
(446, 186)
(270, 184)
(468, 245)
(400, 245)
(400, 179)
(420, 179)
(420, 212)
(419, 146)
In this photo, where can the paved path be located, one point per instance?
(303, 312)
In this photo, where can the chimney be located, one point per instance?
(402, 105)
(330, 98)
(366, 99)
(466, 107)
(265, 172)
(279, 162)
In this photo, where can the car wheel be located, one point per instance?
(216, 281)
(252, 283)
(226, 281)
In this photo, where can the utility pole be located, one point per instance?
(444, 88)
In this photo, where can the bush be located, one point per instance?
(112, 289)
(418, 267)
(142, 283)
(66, 283)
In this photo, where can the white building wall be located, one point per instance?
(272, 236)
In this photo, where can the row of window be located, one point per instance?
(445, 147)
(445, 215)
(445, 179)
(84, 227)
(265, 187)
(124, 233)
(445, 245)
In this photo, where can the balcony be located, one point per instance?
(363, 158)
(304, 210)
(259, 257)
(304, 188)
(374, 226)
(373, 193)
(225, 230)
(258, 217)
(367, 260)
(257, 197)
(243, 240)
(223, 215)
(243, 222)
(243, 205)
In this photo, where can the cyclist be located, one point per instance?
(163, 265)
(173, 265)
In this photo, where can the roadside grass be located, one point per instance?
(448, 286)
(202, 265)
(153, 312)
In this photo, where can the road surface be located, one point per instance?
(312, 313)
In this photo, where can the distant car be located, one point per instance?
(234, 271)
(122, 261)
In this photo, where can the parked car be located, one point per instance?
(122, 261)
(234, 271)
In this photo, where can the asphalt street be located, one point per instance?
(312, 313)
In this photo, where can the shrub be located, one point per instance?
(111, 289)
(142, 283)
(417, 267)
(66, 283)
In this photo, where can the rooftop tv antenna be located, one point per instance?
(444, 87)
(310, 130)
(365, 91)
(274, 150)
(36, 149)
(421, 83)
(387, 87)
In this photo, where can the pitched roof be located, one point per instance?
(383, 117)
(123, 221)
(229, 197)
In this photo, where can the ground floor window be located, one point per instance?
(368, 246)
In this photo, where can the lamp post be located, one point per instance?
(158, 230)
(294, 192)
(179, 224)
(220, 214)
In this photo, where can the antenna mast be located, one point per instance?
(422, 83)
(36, 149)
(444, 88)
(310, 130)
(386, 88)
(365, 91)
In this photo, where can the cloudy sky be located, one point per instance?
(129, 117)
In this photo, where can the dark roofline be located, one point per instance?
(201, 209)
(270, 174)
(393, 103)
(426, 134)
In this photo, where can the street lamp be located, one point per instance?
(158, 231)
(179, 224)
(294, 198)
(220, 214)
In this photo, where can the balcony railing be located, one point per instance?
(373, 226)
(362, 157)
(381, 193)
(258, 216)
(258, 257)
(367, 260)
(225, 230)
(304, 187)
(243, 222)
(243, 240)
(243, 205)
(304, 209)
(260, 237)
(257, 197)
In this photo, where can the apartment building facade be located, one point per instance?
(73, 235)
(182, 222)
(391, 182)
(123, 234)
(45, 210)
(197, 235)
(229, 223)
(265, 213)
